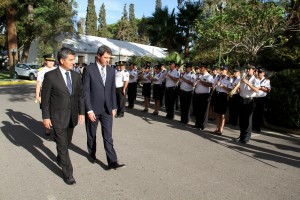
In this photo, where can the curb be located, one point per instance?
(16, 82)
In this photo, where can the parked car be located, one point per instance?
(26, 70)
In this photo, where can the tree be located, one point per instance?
(157, 5)
(91, 19)
(245, 28)
(133, 25)
(163, 30)
(123, 29)
(102, 28)
(143, 31)
(188, 12)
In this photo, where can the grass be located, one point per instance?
(4, 75)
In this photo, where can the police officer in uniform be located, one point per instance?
(122, 78)
(248, 88)
(132, 85)
(234, 100)
(260, 100)
(203, 84)
(146, 91)
(222, 86)
(187, 81)
(158, 89)
(172, 77)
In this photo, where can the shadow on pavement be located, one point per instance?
(258, 153)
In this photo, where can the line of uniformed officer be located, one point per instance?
(132, 85)
(122, 78)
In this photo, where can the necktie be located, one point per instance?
(103, 75)
(69, 83)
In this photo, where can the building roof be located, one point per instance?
(89, 44)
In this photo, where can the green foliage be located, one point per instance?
(143, 31)
(284, 99)
(174, 56)
(102, 28)
(157, 4)
(124, 27)
(91, 19)
(133, 29)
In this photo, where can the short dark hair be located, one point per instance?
(64, 52)
(102, 49)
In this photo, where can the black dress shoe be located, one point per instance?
(70, 180)
(115, 165)
(47, 134)
(92, 159)
(244, 141)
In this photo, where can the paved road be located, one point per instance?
(165, 159)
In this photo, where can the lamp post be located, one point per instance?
(221, 6)
(13, 53)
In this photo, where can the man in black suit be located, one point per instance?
(63, 106)
(100, 102)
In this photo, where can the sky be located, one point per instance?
(114, 8)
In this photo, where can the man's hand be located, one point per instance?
(47, 123)
(91, 116)
(114, 112)
(81, 119)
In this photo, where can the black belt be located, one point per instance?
(171, 87)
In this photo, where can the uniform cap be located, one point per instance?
(121, 63)
(260, 70)
(224, 68)
(49, 57)
(157, 67)
(187, 65)
(172, 62)
(236, 70)
(251, 66)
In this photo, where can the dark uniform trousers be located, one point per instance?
(247, 106)
(233, 104)
(185, 102)
(258, 114)
(120, 101)
(201, 109)
(170, 95)
(132, 88)
(63, 138)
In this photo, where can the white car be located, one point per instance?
(26, 70)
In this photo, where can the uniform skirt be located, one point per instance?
(146, 91)
(220, 103)
(158, 91)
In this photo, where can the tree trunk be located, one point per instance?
(12, 37)
(29, 30)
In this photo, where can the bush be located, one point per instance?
(284, 100)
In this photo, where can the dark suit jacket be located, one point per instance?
(98, 97)
(57, 104)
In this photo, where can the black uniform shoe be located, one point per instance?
(115, 165)
(70, 180)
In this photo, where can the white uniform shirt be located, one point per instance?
(135, 76)
(200, 88)
(159, 77)
(235, 80)
(263, 83)
(226, 81)
(190, 77)
(121, 77)
(145, 77)
(246, 91)
(41, 74)
(169, 81)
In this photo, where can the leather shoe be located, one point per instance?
(244, 141)
(47, 134)
(92, 159)
(115, 165)
(70, 180)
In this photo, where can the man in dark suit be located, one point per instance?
(100, 102)
(62, 107)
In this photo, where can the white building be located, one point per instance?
(86, 47)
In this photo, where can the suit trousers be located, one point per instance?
(121, 100)
(106, 122)
(132, 88)
(63, 138)
(247, 106)
(233, 104)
